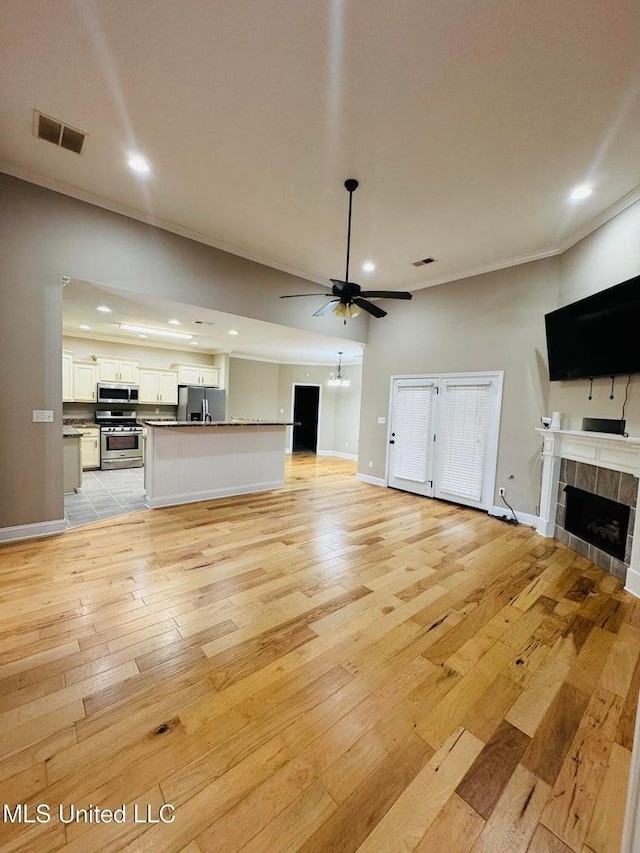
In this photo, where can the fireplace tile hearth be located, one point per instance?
(607, 483)
(585, 477)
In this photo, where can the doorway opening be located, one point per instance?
(306, 406)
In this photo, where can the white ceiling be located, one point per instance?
(210, 329)
(467, 123)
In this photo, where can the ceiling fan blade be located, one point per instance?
(294, 295)
(325, 308)
(370, 307)
(387, 294)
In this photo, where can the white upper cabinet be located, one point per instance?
(85, 379)
(117, 370)
(158, 386)
(67, 376)
(198, 374)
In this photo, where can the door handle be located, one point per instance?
(392, 441)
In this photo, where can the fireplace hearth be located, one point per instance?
(598, 520)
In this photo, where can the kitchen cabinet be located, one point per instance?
(90, 447)
(158, 386)
(117, 370)
(198, 374)
(85, 379)
(67, 376)
(72, 470)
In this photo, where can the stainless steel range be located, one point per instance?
(120, 439)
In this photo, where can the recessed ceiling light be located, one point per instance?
(139, 164)
(143, 336)
(104, 309)
(165, 333)
(84, 327)
(232, 332)
(580, 192)
(174, 322)
(195, 344)
(368, 266)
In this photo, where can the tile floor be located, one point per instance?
(105, 494)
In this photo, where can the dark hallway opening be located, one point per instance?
(306, 399)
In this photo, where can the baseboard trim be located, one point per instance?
(32, 531)
(523, 517)
(211, 494)
(632, 582)
(373, 481)
(337, 453)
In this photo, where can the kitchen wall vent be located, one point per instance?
(53, 130)
(424, 262)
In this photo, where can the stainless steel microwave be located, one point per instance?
(117, 392)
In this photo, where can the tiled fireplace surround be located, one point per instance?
(602, 464)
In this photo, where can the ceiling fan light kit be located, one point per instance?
(349, 299)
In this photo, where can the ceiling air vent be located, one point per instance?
(424, 262)
(52, 130)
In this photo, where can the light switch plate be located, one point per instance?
(382, 419)
(42, 416)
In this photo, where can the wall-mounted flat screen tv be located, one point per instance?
(596, 336)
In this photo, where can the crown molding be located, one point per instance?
(601, 219)
(492, 267)
(149, 219)
(115, 207)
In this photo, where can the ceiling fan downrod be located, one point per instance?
(351, 185)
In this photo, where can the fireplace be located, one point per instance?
(598, 520)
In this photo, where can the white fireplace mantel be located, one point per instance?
(595, 448)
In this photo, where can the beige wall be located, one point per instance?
(253, 389)
(44, 235)
(489, 322)
(608, 256)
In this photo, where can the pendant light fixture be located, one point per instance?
(337, 377)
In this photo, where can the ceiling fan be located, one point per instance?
(348, 297)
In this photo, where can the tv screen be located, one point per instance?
(596, 336)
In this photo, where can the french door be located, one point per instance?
(411, 435)
(443, 438)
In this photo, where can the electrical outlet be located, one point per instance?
(502, 491)
(42, 416)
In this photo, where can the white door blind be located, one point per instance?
(411, 420)
(463, 440)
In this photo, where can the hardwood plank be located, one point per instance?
(513, 822)
(354, 819)
(605, 830)
(544, 841)
(455, 828)
(485, 780)
(569, 811)
(552, 740)
(417, 807)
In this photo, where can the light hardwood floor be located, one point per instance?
(330, 667)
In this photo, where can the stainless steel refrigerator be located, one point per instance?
(196, 403)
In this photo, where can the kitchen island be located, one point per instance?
(188, 461)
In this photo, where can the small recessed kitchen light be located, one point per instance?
(174, 322)
(580, 192)
(128, 327)
(232, 332)
(195, 344)
(143, 336)
(139, 164)
(104, 309)
(84, 327)
(368, 266)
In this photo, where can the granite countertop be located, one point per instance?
(79, 423)
(201, 424)
(70, 431)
